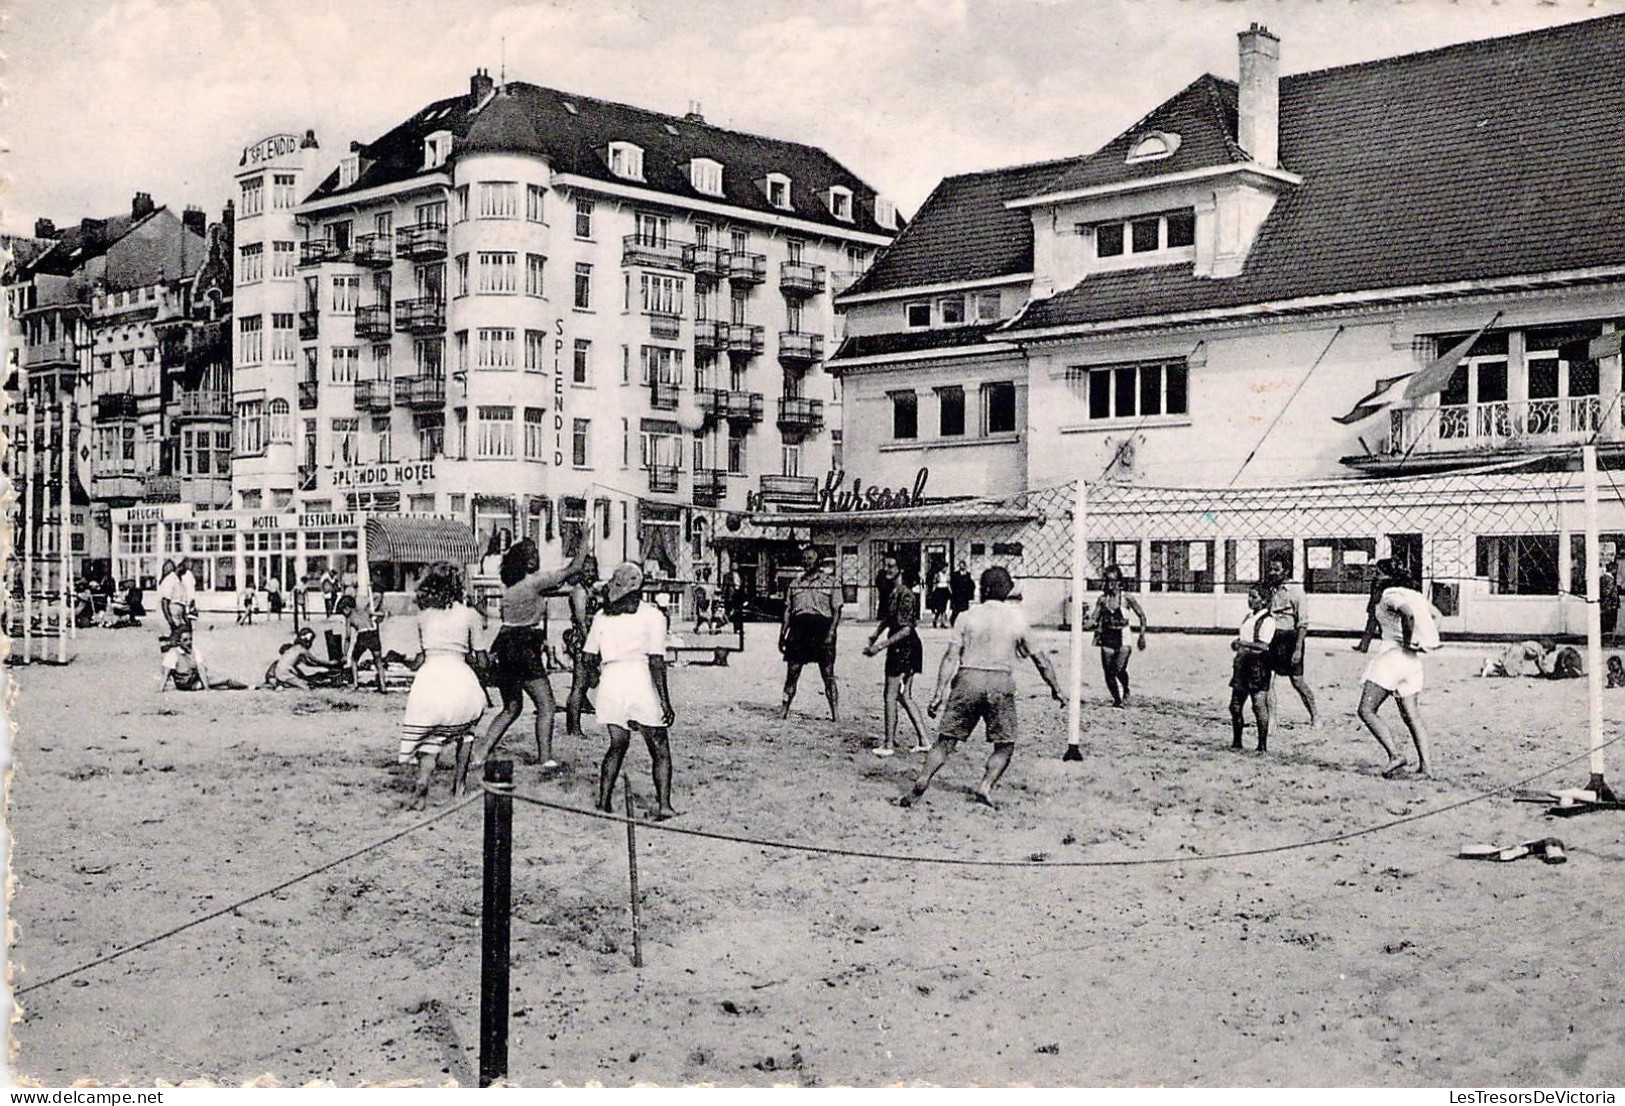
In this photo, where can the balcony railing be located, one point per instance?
(723, 404)
(114, 485)
(310, 325)
(796, 413)
(205, 491)
(425, 315)
(655, 252)
(204, 405)
(665, 328)
(421, 392)
(307, 395)
(712, 262)
(710, 335)
(663, 478)
(663, 395)
(421, 242)
(794, 491)
(318, 251)
(797, 278)
(710, 487)
(372, 323)
(60, 352)
(116, 405)
(842, 279)
(376, 251)
(167, 488)
(796, 348)
(373, 395)
(747, 268)
(1505, 424)
(744, 338)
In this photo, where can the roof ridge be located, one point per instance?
(1216, 104)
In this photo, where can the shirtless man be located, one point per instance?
(977, 682)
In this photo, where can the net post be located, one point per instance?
(1074, 695)
(67, 624)
(1593, 569)
(30, 530)
(495, 920)
(632, 875)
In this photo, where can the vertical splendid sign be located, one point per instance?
(558, 394)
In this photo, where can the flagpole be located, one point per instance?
(1593, 568)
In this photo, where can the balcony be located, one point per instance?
(654, 252)
(707, 262)
(842, 279)
(663, 478)
(798, 414)
(663, 395)
(747, 268)
(203, 405)
(735, 406)
(204, 491)
(421, 392)
(375, 251)
(421, 242)
(60, 352)
(797, 278)
(665, 328)
(167, 489)
(796, 348)
(114, 406)
(710, 487)
(1530, 424)
(789, 491)
(117, 486)
(710, 336)
(745, 339)
(319, 251)
(421, 316)
(307, 395)
(310, 325)
(374, 396)
(372, 323)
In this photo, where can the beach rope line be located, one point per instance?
(1124, 862)
(240, 903)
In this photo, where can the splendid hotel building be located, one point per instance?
(549, 315)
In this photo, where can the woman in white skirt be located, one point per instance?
(446, 699)
(629, 637)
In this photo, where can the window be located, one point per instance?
(778, 190)
(429, 356)
(495, 439)
(583, 290)
(581, 363)
(999, 407)
(498, 272)
(282, 195)
(662, 295)
(1152, 146)
(837, 451)
(919, 314)
(282, 261)
(436, 148)
(383, 433)
(652, 230)
(739, 240)
(580, 442)
(253, 196)
(346, 291)
(535, 351)
(382, 357)
(345, 360)
(1523, 564)
(840, 203)
(280, 419)
(1134, 391)
(535, 274)
(283, 343)
(1171, 230)
(431, 428)
(1245, 561)
(251, 263)
(885, 213)
(905, 415)
(988, 307)
(459, 271)
(706, 176)
(584, 218)
(790, 460)
(459, 199)
(251, 428)
(496, 349)
(499, 200)
(662, 365)
(535, 433)
(626, 160)
(341, 444)
(1099, 555)
(459, 342)
(951, 310)
(1338, 566)
(383, 223)
(349, 169)
(249, 335)
(338, 235)
(535, 203)
(432, 214)
(951, 411)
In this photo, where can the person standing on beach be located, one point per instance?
(905, 659)
(330, 589)
(1408, 630)
(446, 699)
(585, 599)
(1110, 620)
(629, 638)
(1286, 604)
(886, 582)
(1250, 672)
(172, 598)
(961, 590)
(807, 635)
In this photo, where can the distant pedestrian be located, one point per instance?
(1110, 622)
(273, 597)
(245, 616)
(940, 595)
(330, 590)
(961, 591)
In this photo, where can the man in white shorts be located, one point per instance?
(1405, 618)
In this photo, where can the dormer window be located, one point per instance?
(840, 203)
(626, 160)
(1152, 147)
(885, 213)
(349, 170)
(1171, 230)
(706, 176)
(777, 186)
(436, 149)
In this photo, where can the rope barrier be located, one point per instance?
(240, 903)
(1127, 862)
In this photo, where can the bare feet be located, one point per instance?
(1395, 769)
(418, 801)
(983, 799)
(915, 795)
(784, 711)
(663, 814)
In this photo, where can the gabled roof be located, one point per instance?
(964, 231)
(74, 246)
(1203, 115)
(1498, 158)
(912, 341)
(573, 132)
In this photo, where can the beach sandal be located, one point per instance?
(1494, 852)
(550, 766)
(920, 749)
(1549, 849)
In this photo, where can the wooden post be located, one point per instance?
(30, 529)
(495, 921)
(1593, 567)
(632, 872)
(66, 623)
(1074, 694)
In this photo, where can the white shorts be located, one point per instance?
(1395, 669)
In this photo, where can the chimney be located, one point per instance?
(480, 85)
(141, 206)
(1258, 101)
(44, 228)
(94, 233)
(695, 114)
(195, 221)
(309, 142)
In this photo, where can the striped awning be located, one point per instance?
(420, 541)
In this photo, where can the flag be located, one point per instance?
(1388, 392)
(1595, 349)
(1414, 386)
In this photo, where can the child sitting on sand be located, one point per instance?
(1250, 671)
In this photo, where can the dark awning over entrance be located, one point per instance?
(420, 541)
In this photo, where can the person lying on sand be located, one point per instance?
(1541, 659)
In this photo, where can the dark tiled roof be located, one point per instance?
(574, 132)
(913, 341)
(964, 232)
(1488, 159)
(1204, 117)
(74, 246)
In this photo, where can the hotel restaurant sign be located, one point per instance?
(403, 474)
(835, 495)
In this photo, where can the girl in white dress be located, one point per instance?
(446, 700)
(629, 637)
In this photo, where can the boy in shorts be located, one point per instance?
(977, 683)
